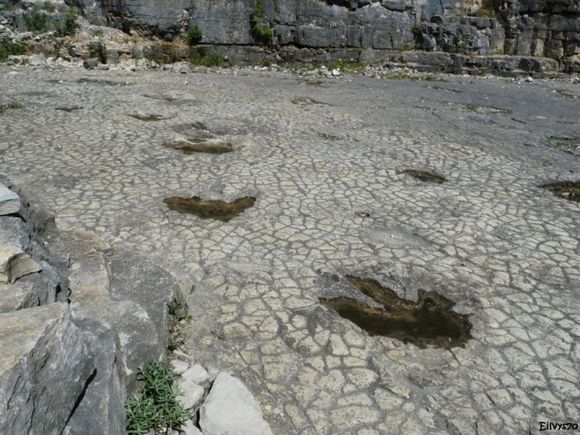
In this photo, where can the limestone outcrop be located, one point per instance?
(72, 331)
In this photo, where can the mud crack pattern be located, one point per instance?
(332, 199)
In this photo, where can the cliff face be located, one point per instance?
(516, 27)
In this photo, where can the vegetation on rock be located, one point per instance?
(155, 405)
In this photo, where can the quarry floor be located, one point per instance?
(324, 159)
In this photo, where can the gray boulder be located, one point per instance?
(9, 201)
(44, 370)
(231, 409)
(102, 409)
(137, 279)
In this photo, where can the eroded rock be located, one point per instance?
(44, 369)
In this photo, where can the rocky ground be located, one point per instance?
(327, 160)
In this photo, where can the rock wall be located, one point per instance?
(515, 27)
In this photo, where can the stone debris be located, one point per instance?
(196, 374)
(191, 393)
(179, 366)
(189, 429)
(9, 201)
(230, 408)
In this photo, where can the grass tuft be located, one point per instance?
(178, 311)
(201, 58)
(154, 405)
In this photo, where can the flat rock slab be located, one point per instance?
(43, 369)
(230, 409)
(332, 198)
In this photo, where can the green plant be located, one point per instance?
(14, 105)
(97, 49)
(154, 405)
(69, 25)
(9, 48)
(471, 107)
(260, 30)
(201, 58)
(36, 21)
(49, 7)
(178, 307)
(565, 144)
(193, 36)
(178, 311)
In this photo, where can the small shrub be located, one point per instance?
(213, 58)
(69, 26)
(260, 30)
(178, 311)
(178, 307)
(193, 36)
(154, 405)
(14, 105)
(9, 48)
(36, 21)
(97, 49)
(49, 7)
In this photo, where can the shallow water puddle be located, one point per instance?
(424, 176)
(210, 208)
(147, 118)
(201, 147)
(68, 108)
(428, 321)
(565, 189)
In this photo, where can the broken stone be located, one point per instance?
(179, 366)
(191, 394)
(9, 201)
(17, 296)
(188, 428)
(230, 408)
(196, 374)
(15, 264)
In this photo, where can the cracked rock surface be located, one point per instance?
(332, 200)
